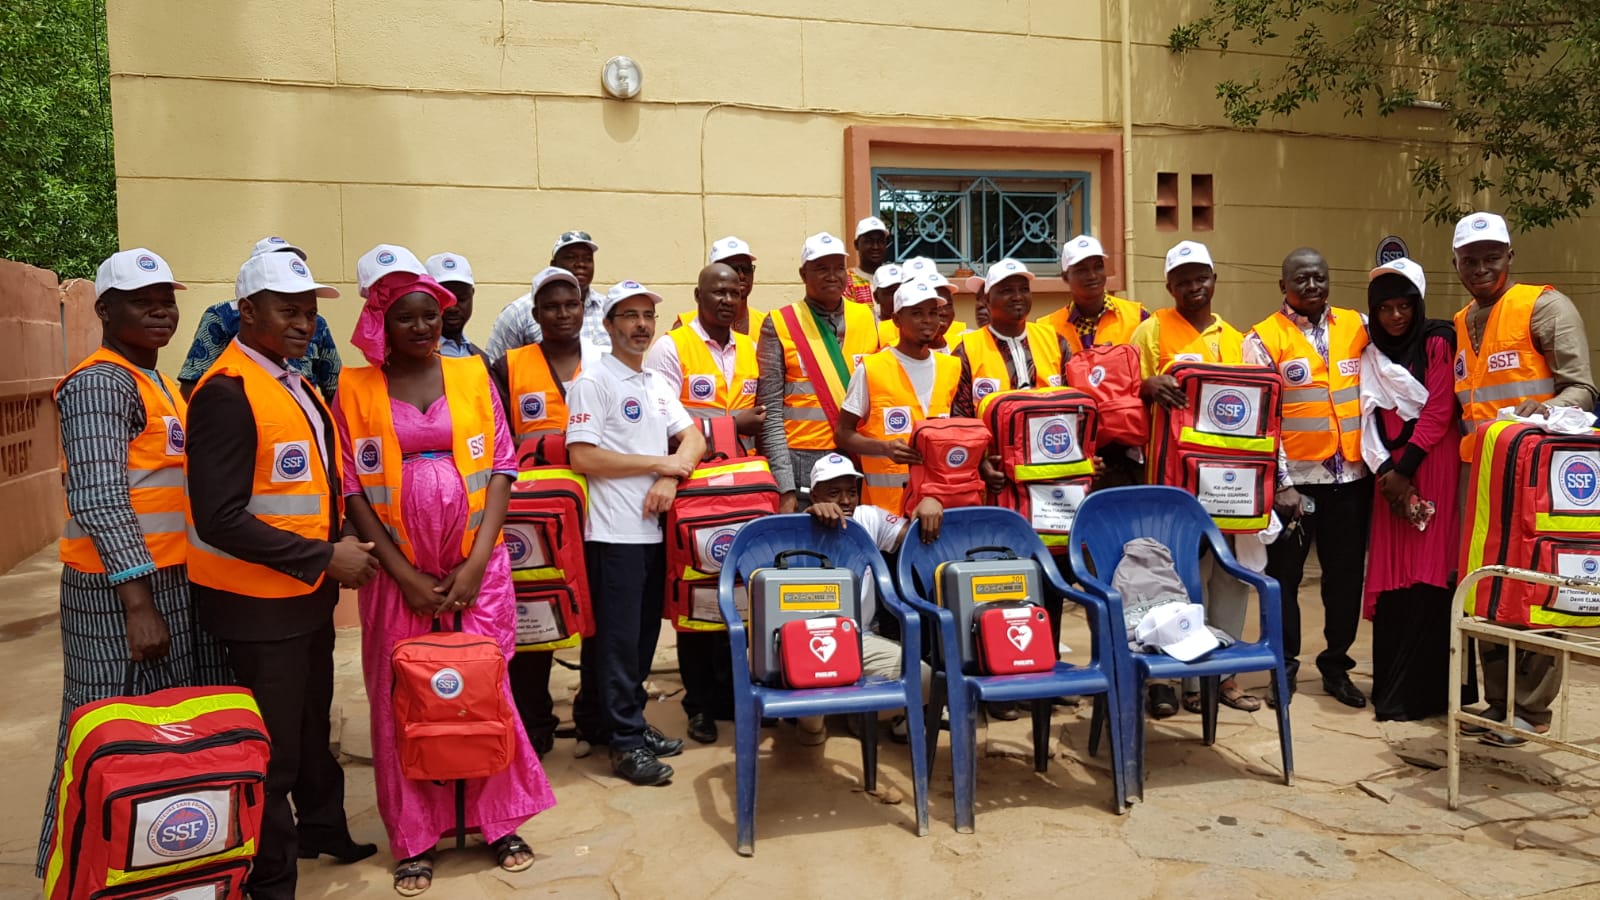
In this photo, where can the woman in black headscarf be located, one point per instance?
(1415, 524)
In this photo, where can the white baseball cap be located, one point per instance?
(553, 273)
(449, 267)
(1185, 252)
(1179, 629)
(621, 291)
(869, 225)
(284, 273)
(888, 275)
(819, 245)
(1406, 268)
(830, 467)
(1481, 226)
(726, 247)
(1000, 271)
(919, 267)
(915, 293)
(274, 244)
(568, 238)
(129, 270)
(383, 260)
(1079, 249)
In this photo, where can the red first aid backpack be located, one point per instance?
(1223, 447)
(820, 652)
(545, 450)
(1042, 434)
(1111, 375)
(722, 438)
(543, 535)
(1013, 637)
(951, 449)
(719, 497)
(452, 720)
(160, 795)
(1533, 503)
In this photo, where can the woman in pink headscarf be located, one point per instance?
(403, 425)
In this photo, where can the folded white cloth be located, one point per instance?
(1562, 419)
(1251, 549)
(1385, 384)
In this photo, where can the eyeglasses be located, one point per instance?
(634, 315)
(745, 269)
(569, 237)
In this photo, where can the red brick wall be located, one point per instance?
(32, 359)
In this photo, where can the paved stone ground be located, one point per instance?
(1366, 817)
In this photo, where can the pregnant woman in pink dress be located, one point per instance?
(398, 332)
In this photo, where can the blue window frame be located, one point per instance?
(975, 218)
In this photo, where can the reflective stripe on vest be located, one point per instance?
(1507, 368)
(704, 392)
(893, 411)
(1321, 400)
(987, 361)
(379, 463)
(537, 406)
(1117, 321)
(805, 424)
(1180, 342)
(155, 473)
(289, 491)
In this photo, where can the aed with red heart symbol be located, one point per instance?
(821, 652)
(1013, 637)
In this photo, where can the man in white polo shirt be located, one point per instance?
(620, 422)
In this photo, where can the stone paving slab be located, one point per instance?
(1494, 873)
(1230, 841)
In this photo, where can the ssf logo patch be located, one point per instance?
(897, 420)
(1297, 372)
(632, 409)
(291, 461)
(956, 458)
(1230, 410)
(148, 263)
(386, 258)
(1579, 481)
(182, 829)
(174, 430)
(476, 446)
(1055, 440)
(702, 387)
(748, 389)
(1097, 375)
(1504, 361)
(1461, 365)
(532, 405)
(369, 455)
(983, 387)
(719, 545)
(446, 683)
(517, 546)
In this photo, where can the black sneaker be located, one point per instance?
(639, 766)
(659, 745)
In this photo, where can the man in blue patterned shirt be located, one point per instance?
(219, 324)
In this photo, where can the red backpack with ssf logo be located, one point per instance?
(951, 449)
(452, 719)
(543, 535)
(1111, 375)
(1046, 441)
(160, 796)
(1223, 447)
(718, 498)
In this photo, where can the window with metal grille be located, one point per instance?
(973, 218)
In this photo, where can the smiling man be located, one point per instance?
(1317, 349)
(1094, 318)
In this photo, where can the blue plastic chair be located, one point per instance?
(757, 545)
(966, 529)
(1106, 521)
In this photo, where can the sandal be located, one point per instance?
(1497, 738)
(509, 846)
(1191, 702)
(1161, 701)
(419, 866)
(1235, 698)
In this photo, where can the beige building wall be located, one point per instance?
(479, 126)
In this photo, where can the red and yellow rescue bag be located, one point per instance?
(1533, 501)
(544, 539)
(452, 718)
(160, 796)
(1111, 375)
(707, 512)
(951, 449)
(1042, 434)
(1222, 447)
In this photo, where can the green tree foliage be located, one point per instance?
(1518, 79)
(58, 192)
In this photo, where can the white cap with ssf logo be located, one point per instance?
(284, 273)
(129, 270)
(1481, 226)
(727, 248)
(450, 267)
(382, 260)
(819, 245)
(1186, 252)
(1079, 249)
(830, 467)
(1179, 630)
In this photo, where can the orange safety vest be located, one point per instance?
(805, 424)
(988, 362)
(364, 400)
(1506, 369)
(1179, 342)
(889, 334)
(1117, 321)
(755, 316)
(538, 407)
(155, 473)
(1321, 400)
(290, 490)
(705, 394)
(893, 410)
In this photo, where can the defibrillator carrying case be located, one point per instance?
(820, 652)
(783, 593)
(966, 585)
(1012, 638)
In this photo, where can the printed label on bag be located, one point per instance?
(1575, 482)
(1054, 506)
(181, 826)
(1054, 439)
(711, 547)
(988, 588)
(1577, 564)
(537, 622)
(1228, 491)
(703, 603)
(525, 546)
(809, 597)
(1230, 410)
